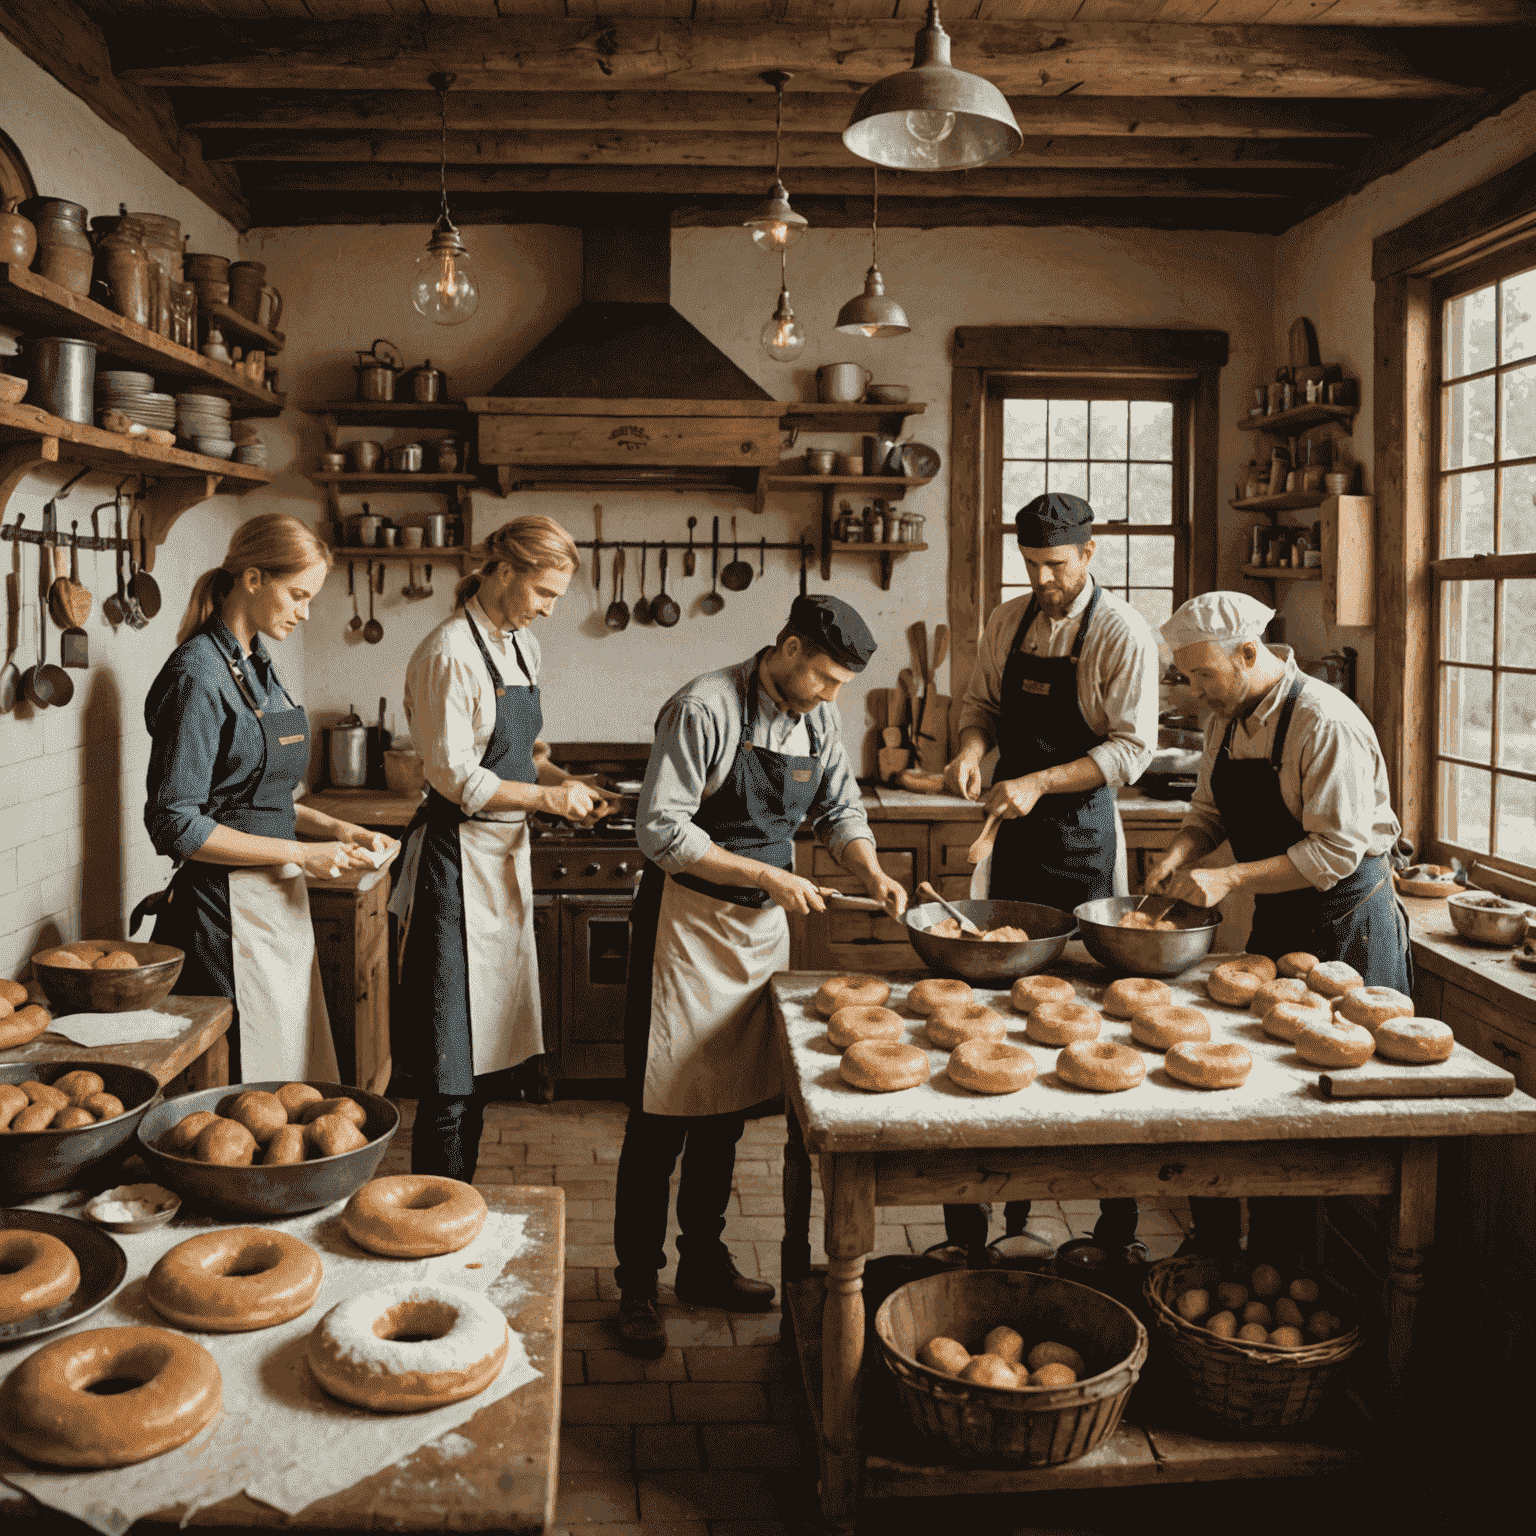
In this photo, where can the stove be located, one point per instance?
(567, 858)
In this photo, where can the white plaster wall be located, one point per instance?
(1323, 271)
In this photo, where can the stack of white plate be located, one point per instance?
(202, 423)
(252, 453)
(133, 395)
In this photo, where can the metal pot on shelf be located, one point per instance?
(376, 371)
(427, 383)
(347, 756)
(61, 371)
(405, 459)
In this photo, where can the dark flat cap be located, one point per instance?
(833, 626)
(1054, 518)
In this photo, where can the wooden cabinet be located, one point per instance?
(352, 940)
(859, 941)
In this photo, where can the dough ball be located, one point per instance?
(286, 1146)
(87, 951)
(1323, 1325)
(331, 1135)
(225, 1142)
(989, 1371)
(1005, 1343)
(945, 1354)
(1266, 1280)
(36, 1117)
(1287, 1338)
(1253, 1333)
(118, 960)
(44, 1093)
(1053, 1375)
(1051, 1353)
(1231, 1295)
(1305, 1291)
(1193, 1305)
(1257, 1312)
(1222, 1324)
(1288, 1314)
(348, 1109)
(261, 1113)
(178, 1140)
(294, 1096)
(69, 1119)
(14, 993)
(62, 959)
(78, 1086)
(105, 1106)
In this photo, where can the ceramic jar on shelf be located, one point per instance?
(18, 238)
(64, 252)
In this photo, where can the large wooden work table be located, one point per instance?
(1277, 1135)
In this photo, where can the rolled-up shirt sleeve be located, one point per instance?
(1338, 803)
(687, 745)
(445, 707)
(1125, 681)
(186, 725)
(1202, 821)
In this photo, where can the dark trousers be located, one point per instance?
(966, 1225)
(445, 1139)
(652, 1144)
(1278, 1227)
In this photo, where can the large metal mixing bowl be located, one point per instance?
(1143, 951)
(975, 960)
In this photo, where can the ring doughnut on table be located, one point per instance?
(850, 1024)
(235, 1281)
(1235, 981)
(1415, 1040)
(356, 1352)
(414, 1215)
(1205, 1064)
(48, 1413)
(883, 1066)
(991, 1066)
(850, 992)
(1028, 992)
(1100, 1065)
(1163, 1028)
(1297, 963)
(1333, 978)
(37, 1271)
(952, 1024)
(1333, 1043)
(934, 991)
(1283, 989)
(1125, 998)
(1062, 1023)
(1371, 1007)
(1284, 1019)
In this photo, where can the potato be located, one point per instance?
(118, 960)
(105, 1106)
(1257, 1312)
(1193, 1305)
(12, 1102)
(294, 1096)
(261, 1113)
(42, 1093)
(1253, 1333)
(68, 1119)
(1304, 1291)
(178, 1140)
(1222, 1324)
(1005, 1343)
(331, 1135)
(944, 1354)
(6, 1010)
(1287, 1313)
(287, 1146)
(63, 959)
(23, 1026)
(225, 1142)
(35, 1117)
(1050, 1353)
(1231, 1295)
(79, 1086)
(989, 1371)
(1053, 1374)
(349, 1110)
(14, 993)
(87, 951)
(1320, 1326)
(1266, 1280)
(1287, 1338)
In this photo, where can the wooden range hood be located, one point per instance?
(625, 392)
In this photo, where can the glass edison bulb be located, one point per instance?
(777, 236)
(930, 127)
(782, 339)
(443, 285)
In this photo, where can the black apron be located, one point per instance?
(1358, 921)
(1063, 853)
(433, 1041)
(755, 813)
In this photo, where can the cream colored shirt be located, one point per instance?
(1333, 779)
(1116, 676)
(450, 702)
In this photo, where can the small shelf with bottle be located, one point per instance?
(1283, 572)
(1287, 501)
(1302, 418)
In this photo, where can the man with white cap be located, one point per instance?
(1293, 777)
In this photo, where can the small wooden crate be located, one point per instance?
(1030, 1427)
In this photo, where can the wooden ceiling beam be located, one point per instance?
(1025, 57)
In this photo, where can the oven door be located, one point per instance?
(594, 940)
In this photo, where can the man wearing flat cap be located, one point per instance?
(741, 758)
(1065, 687)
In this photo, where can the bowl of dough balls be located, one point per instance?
(1006, 1365)
(59, 1119)
(106, 975)
(268, 1149)
(1146, 936)
(1260, 1346)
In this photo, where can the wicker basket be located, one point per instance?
(1033, 1427)
(1255, 1386)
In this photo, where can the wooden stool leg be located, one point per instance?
(1413, 1231)
(795, 1249)
(848, 1181)
(211, 1069)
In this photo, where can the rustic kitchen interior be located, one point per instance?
(840, 320)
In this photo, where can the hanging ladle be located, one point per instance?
(50, 684)
(712, 602)
(642, 603)
(737, 576)
(356, 621)
(688, 558)
(617, 616)
(373, 631)
(146, 589)
(665, 610)
(115, 609)
(10, 676)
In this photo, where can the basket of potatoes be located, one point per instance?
(268, 1148)
(1260, 1348)
(1008, 1366)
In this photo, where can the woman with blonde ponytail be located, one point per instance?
(229, 749)
(469, 973)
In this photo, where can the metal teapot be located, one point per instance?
(376, 371)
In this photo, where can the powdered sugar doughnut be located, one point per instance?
(1202, 1064)
(934, 991)
(850, 992)
(991, 1066)
(1062, 1023)
(883, 1066)
(1125, 998)
(1101, 1066)
(1162, 1028)
(1334, 1044)
(1283, 989)
(1297, 963)
(1415, 1040)
(355, 1353)
(954, 1023)
(1028, 992)
(1235, 981)
(850, 1024)
(1333, 978)
(1284, 1019)
(1371, 1007)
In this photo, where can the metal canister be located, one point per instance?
(62, 374)
(348, 758)
(64, 252)
(427, 383)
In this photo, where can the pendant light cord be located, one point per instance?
(874, 223)
(442, 158)
(778, 134)
(784, 271)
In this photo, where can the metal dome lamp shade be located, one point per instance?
(774, 224)
(872, 314)
(443, 284)
(932, 117)
(782, 339)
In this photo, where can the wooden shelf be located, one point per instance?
(1290, 501)
(1300, 418)
(860, 416)
(349, 480)
(1283, 572)
(428, 554)
(31, 303)
(841, 547)
(234, 327)
(390, 413)
(879, 483)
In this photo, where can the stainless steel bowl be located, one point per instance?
(975, 960)
(1140, 951)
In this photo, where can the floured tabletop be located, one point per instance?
(1280, 1101)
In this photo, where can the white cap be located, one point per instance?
(1217, 616)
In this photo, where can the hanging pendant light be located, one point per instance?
(932, 117)
(443, 285)
(774, 224)
(781, 338)
(872, 313)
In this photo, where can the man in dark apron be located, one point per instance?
(1066, 690)
(1293, 777)
(742, 757)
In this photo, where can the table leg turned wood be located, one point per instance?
(848, 1186)
(211, 1069)
(1413, 1231)
(795, 1249)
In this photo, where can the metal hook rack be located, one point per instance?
(16, 534)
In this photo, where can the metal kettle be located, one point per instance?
(348, 757)
(376, 370)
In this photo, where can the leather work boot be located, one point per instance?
(719, 1283)
(641, 1329)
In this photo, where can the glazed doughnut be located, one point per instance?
(1371, 1007)
(414, 1216)
(1101, 1066)
(1062, 1023)
(1415, 1040)
(355, 1353)
(1028, 992)
(952, 1024)
(1284, 1019)
(850, 1024)
(23, 1026)
(883, 1066)
(850, 992)
(14, 993)
(1283, 989)
(1333, 978)
(1204, 1064)
(79, 1085)
(1125, 998)
(1235, 981)
(991, 1066)
(235, 1281)
(1297, 963)
(37, 1271)
(934, 991)
(48, 1414)
(294, 1096)
(1334, 1044)
(1162, 1028)
(117, 960)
